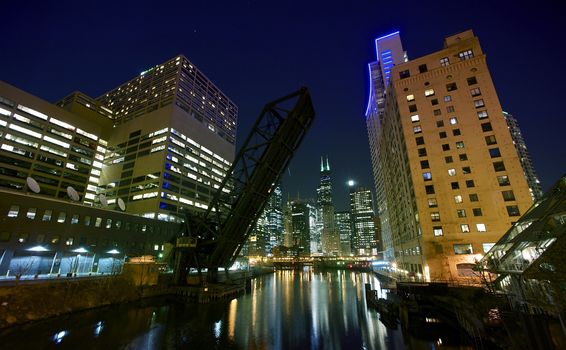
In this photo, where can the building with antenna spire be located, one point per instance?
(330, 237)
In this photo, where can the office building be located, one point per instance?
(524, 157)
(364, 240)
(155, 147)
(268, 231)
(302, 223)
(448, 178)
(329, 236)
(344, 226)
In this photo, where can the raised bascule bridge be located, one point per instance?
(214, 238)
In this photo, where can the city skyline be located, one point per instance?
(335, 41)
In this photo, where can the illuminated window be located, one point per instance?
(417, 129)
(447, 98)
(444, 61)
(479, 103)
(432, 203)
(47, 215)
(14, 211)
(461, 213)
(475, 92)
(482, 114)
(98, 222)
(459, 144)
(466, 55)
(465, 228)
(427, 176)
(437, 230)
(86, 220)
(487, 246)
(458, 199)
(108, 223)
(453, 121)
(415, 118)
(481, 228)
(69, 241)
(435, 216)
(460, 249)
(429, 92)
(451, 172)
(410, 98)
(31, 213)
(62, 217)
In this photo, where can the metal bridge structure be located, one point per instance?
(214, 238)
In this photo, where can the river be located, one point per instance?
(285, 310)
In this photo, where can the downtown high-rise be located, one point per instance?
(448, 179)
(364, 238)
(329, 236)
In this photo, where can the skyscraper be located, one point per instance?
(364, 240)
(524, 157)
(330, 238)
(171, 139)
(344, 226)
(448, 178)
(302, 222)
(268, 231)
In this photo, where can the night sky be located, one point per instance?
(256, 51)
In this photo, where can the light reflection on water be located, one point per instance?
(286, 310)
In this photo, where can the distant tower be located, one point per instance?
(330, 238)
(344, 226)
(302, 214)
(363, 226)
(524, 157)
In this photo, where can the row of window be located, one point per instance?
(87, 220)
(438, 231)
(444, 61)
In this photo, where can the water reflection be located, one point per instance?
(287, 310)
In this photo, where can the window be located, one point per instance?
(490, 140)
(447, 98)
(494, 152)
(451, 87)
(486, 127)
(415, 118)
(499, 166)
(456, 132)
(47, 215)
(466, 55)
(422, 68)
(427, 176)
(437, 230)
(466, 170)
(434, 102)
(86, 220)
(446, 147)
(417, 129)
(465, 228)
(424, 164)
(473, 197)
(98, 222)
(453, 121)
(475, 92)
(482, 114)
(13, 212)
(31, 213)
(513, 210)
(419, 140)
(470, 183)
(448, 159)
(461, 213)
(508, 195)
(432, 203)
(458, 199)
(472, 81)
(410, 98)
(487, 246)
(459, 144)
(463, 157)
(55, 239)
(503, 180)
(437, 112)
(75, 219)
(429, 189)
(442, 134)
(23, 237)
(444, 61)
(477, 211)
(404, 74)
(460, 249)
(422, 152)
(439, 123)
(69, 241)
(429, 92)
(108, 223)
(455, 185)
(450, 109)
(479, 103)
(62, 217)
(481, 228)
(451, 172)
(435, 216)
(412, 108)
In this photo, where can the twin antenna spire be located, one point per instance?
(322, 167)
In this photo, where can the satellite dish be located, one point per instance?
(103, 200)
(72, 193)
(33, 185)
(121, 204)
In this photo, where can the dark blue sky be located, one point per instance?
(256, 51)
